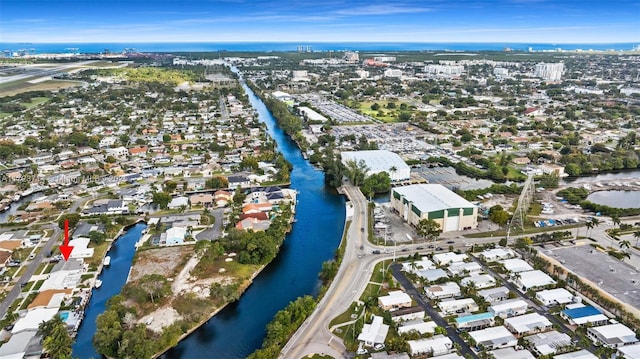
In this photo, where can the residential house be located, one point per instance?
(527, 324)
(579, 314)
(548, 343)
(479, 281)
(612, 335)
(494, 295)
(205, 200)
(441, 291)
(435, 346)
(374, 333)
(534, 279)
(394, 300)
(494, 338)
(509, 308)
(553, 297)
(452, 306)
(475, 321)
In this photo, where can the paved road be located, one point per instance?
(214, 232)
(42, 72)
(33, 264)
(417, 296)
(352, 277)
(31, 269)
(537, 308)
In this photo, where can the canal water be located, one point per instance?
(239, 329)
(113, 279)
(616, 199)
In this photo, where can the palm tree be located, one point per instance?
(636, 235)
(624, 245)
(616, 220)
(589, 227)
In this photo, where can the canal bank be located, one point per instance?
(238, 329)
(113, 279)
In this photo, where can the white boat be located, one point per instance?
(106, 261)
(98, 283)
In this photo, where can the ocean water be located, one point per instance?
(39, 48)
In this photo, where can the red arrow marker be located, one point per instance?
(65, 248)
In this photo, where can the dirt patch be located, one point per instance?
(165, 261)
(160, 318)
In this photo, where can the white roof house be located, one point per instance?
(380, 160)
(176, 235)
(441, 291)
(494, 295)
(464, 267)
(554, 296)
(479, 281)
(516, 265)
(454, 305)
(494, 254)
(414, 267)
(494, 338)
(432, 275)
(533, 279)
(612, 335)
(527, 324)
(548, 343)
(420, 326)
(374, 333)
(629, 351)
(582, 354)
(61, 280)
(449, 257)
(17, 345)
(510, 353)
(178, 202)
(394, 300)
(80, 249)
(436, 346)
(509, 308)
(34, 317)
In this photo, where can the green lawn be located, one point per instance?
(35, 102)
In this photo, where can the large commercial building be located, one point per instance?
(549, 72)
(378, 161)
(436, 202)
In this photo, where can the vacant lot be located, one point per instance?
(165, 261)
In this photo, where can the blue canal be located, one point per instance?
(239, 329)
(113, 279)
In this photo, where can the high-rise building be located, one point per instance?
(549, 72)
(351, 57)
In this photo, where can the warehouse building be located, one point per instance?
(380, 161)
(436, 202)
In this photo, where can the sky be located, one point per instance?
(524, 21)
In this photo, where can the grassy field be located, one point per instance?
(388, 115)
(16, 87)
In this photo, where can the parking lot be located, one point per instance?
(608, 273)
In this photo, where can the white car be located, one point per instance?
(378, 346)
